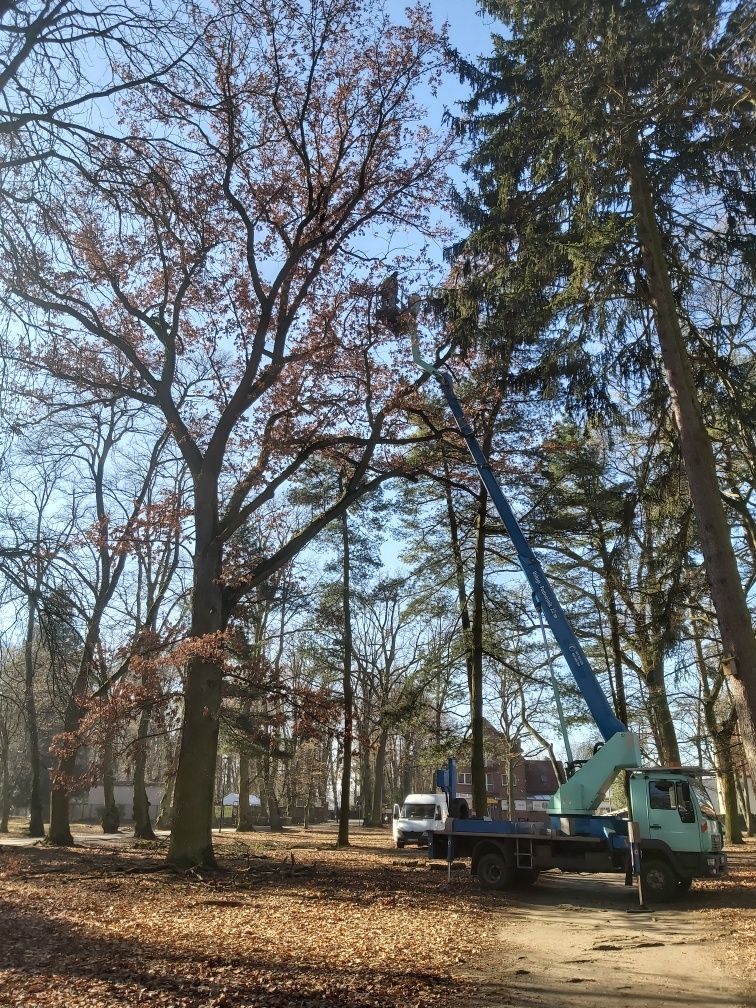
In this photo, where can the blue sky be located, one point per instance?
(468, 32)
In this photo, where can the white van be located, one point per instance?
(414, 820)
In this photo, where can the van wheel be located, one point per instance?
(494, 872)
(660, 883)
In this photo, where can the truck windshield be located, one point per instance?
(418, 811)
(704, 801)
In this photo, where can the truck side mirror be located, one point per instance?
(396, 811)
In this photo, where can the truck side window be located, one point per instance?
(685, 802)
(660, 795)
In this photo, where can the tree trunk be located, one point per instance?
(723, 748)
(36, 815)
(477, 762)
(721, 736)
(5, 774)
(346, 767)
(271, 798)
(164, 820)
(733, 616)
(610, 598)
(245, 824)
(380, 770)
(367, 780)
(191, 838)
(406, 779)
(741, 785)
(111, 818)
(142, 825)
(60, 826)
(659, 714)
(459, 576)
(510, 786)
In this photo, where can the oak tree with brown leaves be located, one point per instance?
(216, 271)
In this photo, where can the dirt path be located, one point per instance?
(570, 942)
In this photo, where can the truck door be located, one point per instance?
(672, 816)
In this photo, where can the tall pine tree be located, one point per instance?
(612, 141)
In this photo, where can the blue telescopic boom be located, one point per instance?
(543, 594)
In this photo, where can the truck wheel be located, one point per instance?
(400, 844)
(494, 872)
(660, 883)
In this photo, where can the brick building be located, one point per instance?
(533, 784)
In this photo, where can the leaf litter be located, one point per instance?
(288, 920)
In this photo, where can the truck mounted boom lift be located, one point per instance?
(680, 833)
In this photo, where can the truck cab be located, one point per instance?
(416, 818)
(681, 835)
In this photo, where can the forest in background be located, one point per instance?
(241, 542)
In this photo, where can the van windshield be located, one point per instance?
(418, 811)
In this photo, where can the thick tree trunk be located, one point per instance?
(191, 837)
(477, 762)
(659, 714)
(142, 825)
(723, 749)
(60, 827)
(346, 767)
(36, 815)
(733, 616)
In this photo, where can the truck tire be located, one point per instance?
(660, 881)
(493, 871)
(400, 844)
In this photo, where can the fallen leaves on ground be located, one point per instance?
(729, 908)
(289, 921)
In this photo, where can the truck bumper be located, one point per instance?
(415, 837)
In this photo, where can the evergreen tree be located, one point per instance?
(610, 124)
